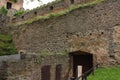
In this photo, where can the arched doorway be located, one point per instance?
(82, 63)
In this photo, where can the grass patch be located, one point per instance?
(112, 73)
(6, 45)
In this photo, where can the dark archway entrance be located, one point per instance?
(81, 60)
(72, 1)
(9, 5)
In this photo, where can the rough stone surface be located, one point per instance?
(56, 7)
(95, 30)
(29, 67)
(9, 57)
(92, 29)
(4, 20)
(18, 5)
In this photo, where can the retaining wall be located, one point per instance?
(36, 67)
(90, 29)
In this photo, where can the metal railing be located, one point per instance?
(85, 74)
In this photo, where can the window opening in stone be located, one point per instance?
(9, 5)
(51, 7)
(90, 34)
(102, 32)
(22, 17)
(35, 13)
(72, 1)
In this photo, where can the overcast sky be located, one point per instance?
(30, 5)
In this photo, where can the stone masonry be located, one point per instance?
(91, 29)
(31, 66)
(50, 8)
(94, 29)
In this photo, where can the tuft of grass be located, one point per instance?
(6, 45)
(111, 73)
(18, 13)
(5, 38)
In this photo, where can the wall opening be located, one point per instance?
(102, 32)
(22, 17)
(51, 7)
(72, 1)
(45, 72)
(90, 34)
(35, 13)
(9, 5)
(82, 62)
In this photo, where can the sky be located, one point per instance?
(30, 5)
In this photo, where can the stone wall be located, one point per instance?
(32, 67)
(9, 57)
(4, 21)
(3, 66)
(40, 11)
(94, 29)
(72, 2)
(91, 29)
(18, 5)
(50, 8)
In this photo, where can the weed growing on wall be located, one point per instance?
(51, 15)
(64, 52)
(6, 45)
(14, 1)
(3, 10)
(45, 53)
(18, 13)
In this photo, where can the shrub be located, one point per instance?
(18, 13)
(14, 1)
(3, 10)
(6, 45)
